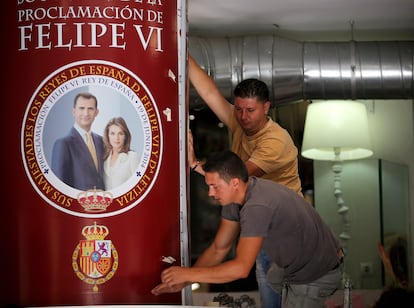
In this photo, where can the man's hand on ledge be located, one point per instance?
(165, 288)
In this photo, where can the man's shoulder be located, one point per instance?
(96, 135)
(274, 130)
(97, 138)
(69, 137)
(66, 137)
(274, 126)
(270, 184)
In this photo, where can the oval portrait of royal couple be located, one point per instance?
(90, 136)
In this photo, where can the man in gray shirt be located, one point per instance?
(259, 213)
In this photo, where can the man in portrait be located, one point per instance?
(77, 158)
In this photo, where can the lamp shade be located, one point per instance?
(335, 128)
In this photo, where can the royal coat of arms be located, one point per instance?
(95, 260)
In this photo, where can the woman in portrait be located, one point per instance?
(120, 162)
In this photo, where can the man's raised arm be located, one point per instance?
(208, 91)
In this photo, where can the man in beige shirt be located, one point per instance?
(266, 148)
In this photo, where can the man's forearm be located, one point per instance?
(210, 257)
(208, 91)
(221, 273)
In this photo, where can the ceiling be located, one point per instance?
(304, 19)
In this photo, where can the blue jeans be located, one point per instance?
(309, 295)
(269, 298)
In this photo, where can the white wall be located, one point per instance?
(361, 194)
(392, 130)
(391, 125)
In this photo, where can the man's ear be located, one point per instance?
(235, 182)
(266, 106)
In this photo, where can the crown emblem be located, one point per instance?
(95, 200)
(95, 260)
(95, 232)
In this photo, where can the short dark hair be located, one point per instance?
(251, 88)
(86, 95)
(228, 165)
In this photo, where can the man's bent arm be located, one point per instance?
(240, 267)
(253, 169)
(225, 237)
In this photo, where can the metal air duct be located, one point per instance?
(308, 70)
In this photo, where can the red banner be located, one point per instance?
(81, 226)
